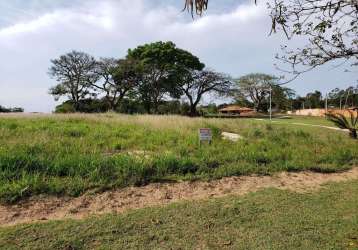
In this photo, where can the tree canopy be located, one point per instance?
(117, 78)
(163, 79)
(255, 87)
(198, 83)
(149, 76)
(11, 110)
(254, 90)
(75, 74)
(329, 27)
(163, 67)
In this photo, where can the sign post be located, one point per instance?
(205, 135)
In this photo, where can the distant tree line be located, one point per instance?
(159, 78)
(152, 78)
(155, 78)
(11, 110)
(253, 90)
(336, 98)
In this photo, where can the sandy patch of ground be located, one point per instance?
(52, 208)
(231, 136)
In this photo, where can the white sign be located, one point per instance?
(205, 134)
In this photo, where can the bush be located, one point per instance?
(65, 108)
(85, 106)
(11, 110)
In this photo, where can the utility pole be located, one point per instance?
(270, 103)
(326, 104)
(345, 104)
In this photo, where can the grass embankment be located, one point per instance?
(67, 155)
(311, 120)
(269, 219)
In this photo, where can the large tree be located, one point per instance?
(255, 87)
(117, 78)
(330, 28)
(282, 97)
(163, 68)
(75, 74)
(199, 83)
(314, 100)
(343, 98)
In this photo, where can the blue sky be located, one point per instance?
(232, 38)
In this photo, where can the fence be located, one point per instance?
(320, 112)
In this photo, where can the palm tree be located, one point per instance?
(343, 122)
(198, 5)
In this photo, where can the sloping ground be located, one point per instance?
(306, 124)
(53, 208)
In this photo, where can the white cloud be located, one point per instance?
(234, 42)
(130, 17)
(35, 25)
(101, 19)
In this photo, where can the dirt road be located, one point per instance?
(52, 208)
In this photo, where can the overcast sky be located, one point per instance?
(232, 38)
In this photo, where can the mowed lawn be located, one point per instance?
(70, 154)
(269, 219)
(311, 120)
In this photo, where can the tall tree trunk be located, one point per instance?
(75, 100)
(77, 104)
(147, 106)
(256, 107)
(193, 111)
(110, 101)
(193, 105)
(118, 102)
(155, 107)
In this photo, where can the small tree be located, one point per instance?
(4, 109)
(17, 110)
(75, 74)
(199, 83)
(11, 110)
(343, 122)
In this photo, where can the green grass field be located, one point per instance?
(306, 120)
(269, 219)
(69, 154)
